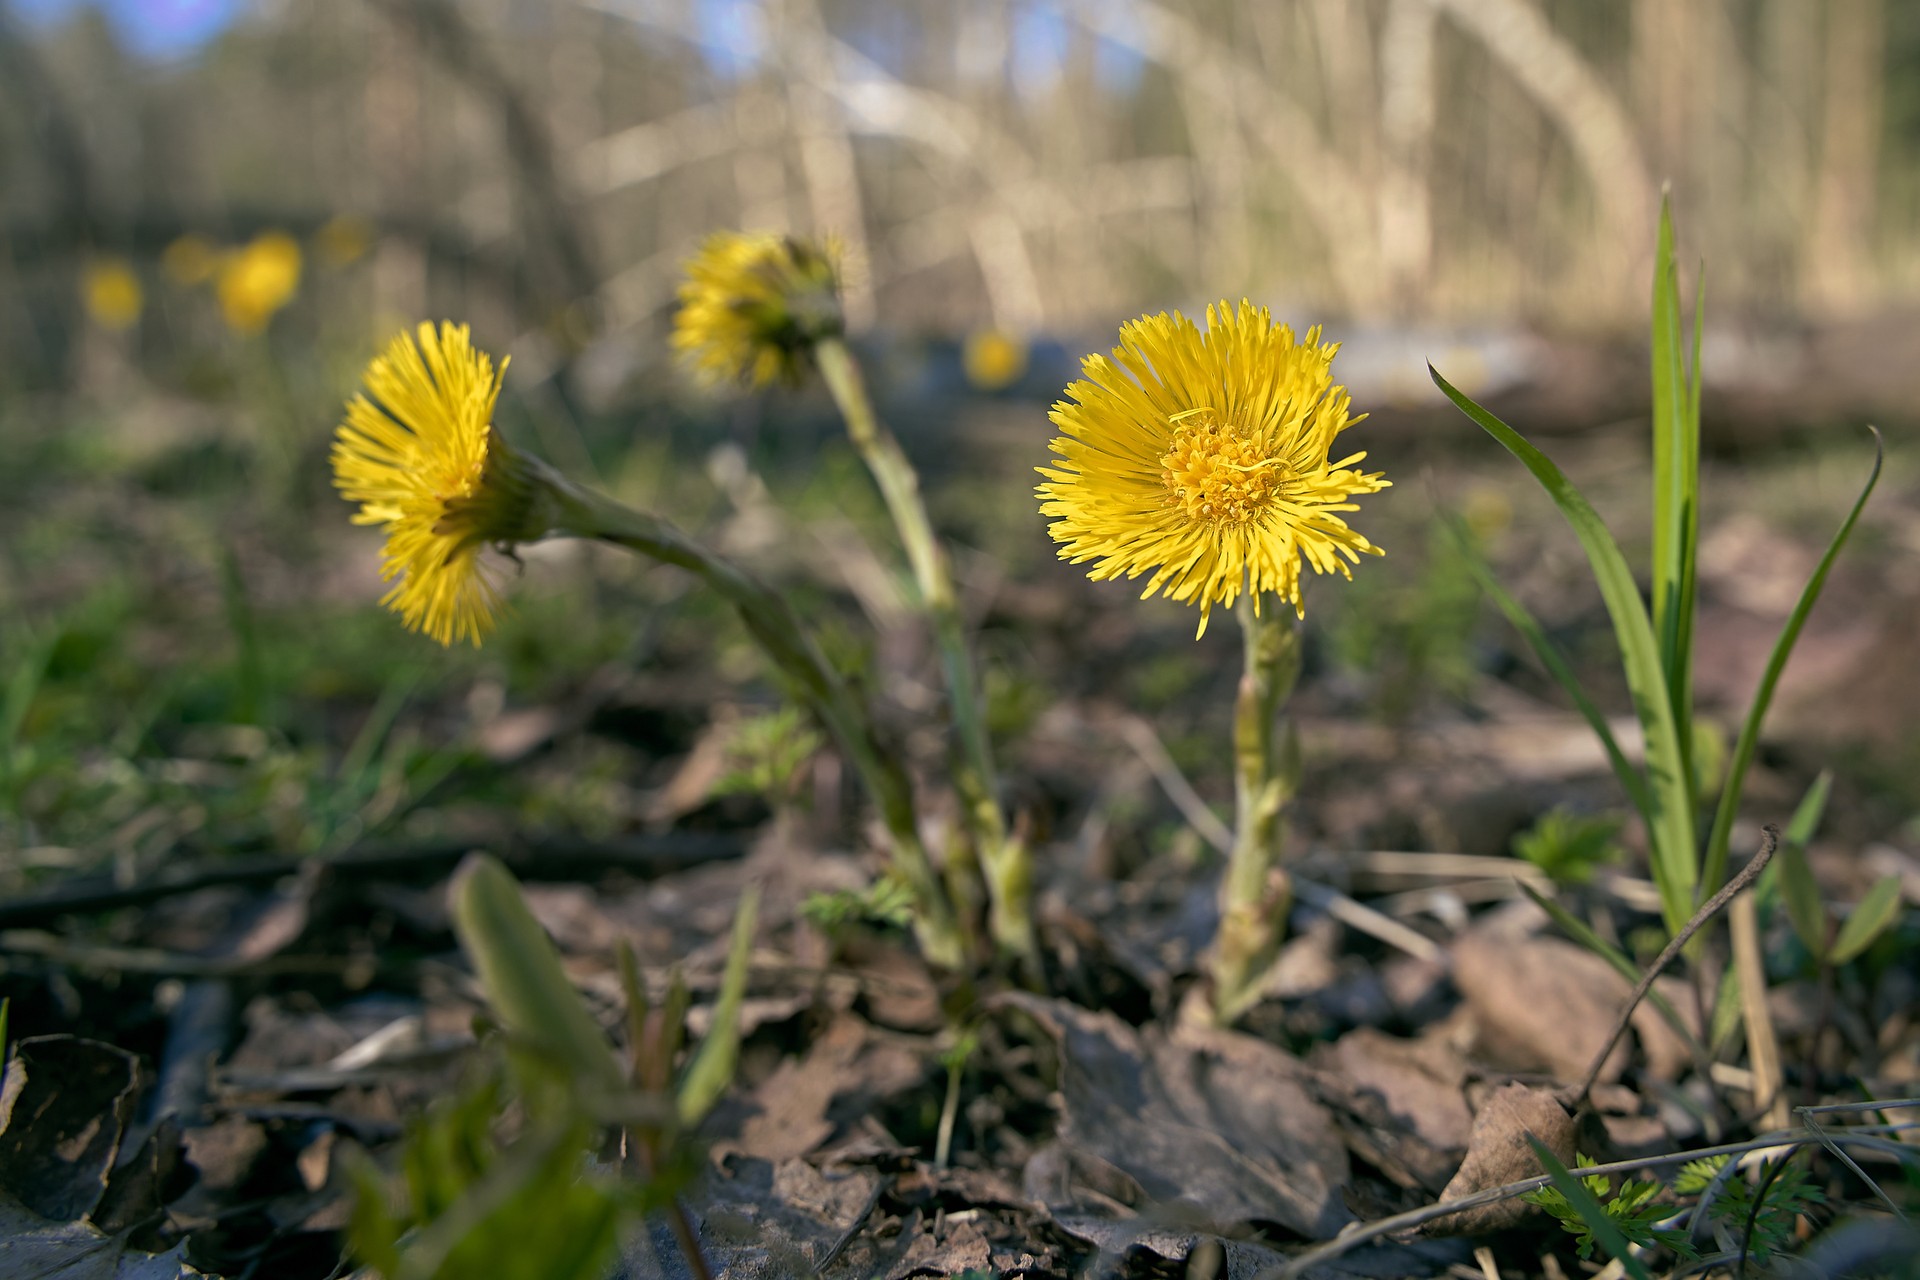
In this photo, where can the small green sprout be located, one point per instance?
(1568, 846)
(1632, 1211)
(766, 753)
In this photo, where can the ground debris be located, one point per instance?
(1222, 1126)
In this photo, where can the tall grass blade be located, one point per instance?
(1557, 666)
(1670, 829)
(1714, 865)
(1676, 495)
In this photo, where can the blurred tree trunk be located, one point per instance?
(1839, 251)
(1594, 123)
(1785, 107)
(827, 158)
(1408, 104)
(393, 145)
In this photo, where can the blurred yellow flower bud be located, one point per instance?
(257, 281)
(112, 293)
(993, 360)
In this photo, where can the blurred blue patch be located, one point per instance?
(157, 29)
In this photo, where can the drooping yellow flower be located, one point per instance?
(258, 280)
(752, 306)
(190, 260)
(421, 458)
(993, 359)
(112, 293)
(1206, 457)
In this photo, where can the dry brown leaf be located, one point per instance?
(1544, 1004)
(1215, 1124)
(1498, 1153)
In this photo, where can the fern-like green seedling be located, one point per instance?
(1568, 846)
(1782, 1200)
(1632, 1210)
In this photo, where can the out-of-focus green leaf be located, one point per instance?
(1800, 831)
(1801, 893)
(521, 973)
(1714, 863)
(1869, 920)
(711, 1070)
(1669, 784)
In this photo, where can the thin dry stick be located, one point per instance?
(1763, 1045)
(1708, 909)
(1355, 1236)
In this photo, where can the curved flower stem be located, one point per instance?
(779, 634)
(1254, 896)
(1004, 856)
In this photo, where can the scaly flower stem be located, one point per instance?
(1254, 895)
(780, 635)
(1004, 857)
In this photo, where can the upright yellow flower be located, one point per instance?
(1206, 458)
(753, 305)
(112, 293)
(258, 280)
(421, 458)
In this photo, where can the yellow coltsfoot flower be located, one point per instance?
(422, 459)
(1206, 457)
(753, 305)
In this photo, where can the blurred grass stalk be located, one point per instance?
(1657, 650)
(1255, 895)
(1003, 856)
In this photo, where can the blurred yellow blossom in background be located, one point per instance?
(190, 260)
(112, 293)
(993, 359)
(344, 239)
(753, 305)
(256, 281)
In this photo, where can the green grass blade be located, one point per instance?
(1670, 832)
(1582, 932)
(1676, 493)
(1556, 664)
(1598, 1224)
(1869, 920)
(1714, 866)
(711, 1070)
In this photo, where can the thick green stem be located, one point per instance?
(1004, 857)
(1254, 896)
(780, 635)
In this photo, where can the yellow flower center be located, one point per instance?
(1214, 474)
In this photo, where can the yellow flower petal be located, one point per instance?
(414, 456)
